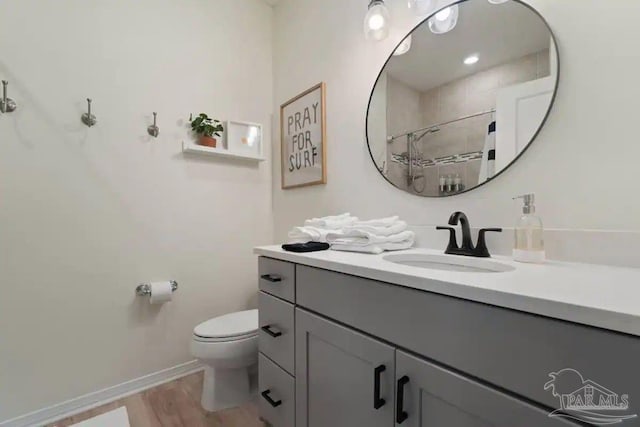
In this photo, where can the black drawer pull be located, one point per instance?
(273, 278)
(268, 330)
(401, 415)
(274, 403)
(378, 402)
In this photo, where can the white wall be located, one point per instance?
(582, 167)
(378, 124)
(87, 214)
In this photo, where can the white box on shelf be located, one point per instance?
(244, 138)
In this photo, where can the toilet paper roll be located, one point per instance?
(160, 292)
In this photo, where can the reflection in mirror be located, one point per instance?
(458, 107)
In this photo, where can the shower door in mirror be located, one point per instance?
(467, 98)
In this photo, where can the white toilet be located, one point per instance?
(228, 348)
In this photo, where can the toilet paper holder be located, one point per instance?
(144, 289)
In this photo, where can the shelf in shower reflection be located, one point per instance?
(193, 148)
(403, 158)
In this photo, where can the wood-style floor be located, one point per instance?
(174, 404)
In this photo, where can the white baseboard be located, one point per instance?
(101, 397)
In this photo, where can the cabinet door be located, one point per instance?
(343, 378)
(430, 396)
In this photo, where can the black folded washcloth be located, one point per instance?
(306, 247)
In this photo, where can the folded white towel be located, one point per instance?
(380, 230)
(306, 234)
(369, 249)
(374, 248)
(332, 222)
(381, 222)
(363, 238)
(362, 241)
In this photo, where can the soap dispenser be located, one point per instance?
(529, 241)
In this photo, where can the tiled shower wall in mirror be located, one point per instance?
(409, 109)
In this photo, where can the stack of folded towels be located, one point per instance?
(316, 229)
(373, 236)
(347, 233)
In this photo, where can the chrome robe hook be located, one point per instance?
(153, 130)
(88, 118)
(7, 105)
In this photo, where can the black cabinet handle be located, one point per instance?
(378, 402)
(401, 415)
(273, 278)
(268, 330)
(274, 403)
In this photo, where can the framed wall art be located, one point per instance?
(303, 139)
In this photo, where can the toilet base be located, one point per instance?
(225, 388)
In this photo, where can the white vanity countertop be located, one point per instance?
(596, 295)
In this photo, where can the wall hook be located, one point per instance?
(88, 118)
(7, 105)
(153, 129)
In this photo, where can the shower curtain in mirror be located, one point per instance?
(488, 165)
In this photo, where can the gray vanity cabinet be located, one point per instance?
(338, 350)
(337, 369)
(343, 378)
(428, 395)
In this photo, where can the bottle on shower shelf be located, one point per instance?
(457, 183)
(448, 184)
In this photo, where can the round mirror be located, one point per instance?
(462, 96)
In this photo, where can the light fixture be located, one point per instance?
(445, 20)
(376, 22)
(421, 7)
(403, 47)
(443, 15)
(471, 59)
(498, 1)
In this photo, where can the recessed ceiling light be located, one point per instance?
(471, 59)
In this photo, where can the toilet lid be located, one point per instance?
(230, 325)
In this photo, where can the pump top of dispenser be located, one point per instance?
(529, 206)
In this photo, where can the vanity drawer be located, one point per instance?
(277, 278)
(513, 350)
(277, 394)
(276, 334)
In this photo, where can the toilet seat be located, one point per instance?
(229, 327)
(224, 339)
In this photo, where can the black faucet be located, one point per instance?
(467, 248)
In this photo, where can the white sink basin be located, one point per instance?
(449, 263)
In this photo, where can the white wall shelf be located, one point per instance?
(193, 148)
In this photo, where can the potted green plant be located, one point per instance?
(206, 128)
